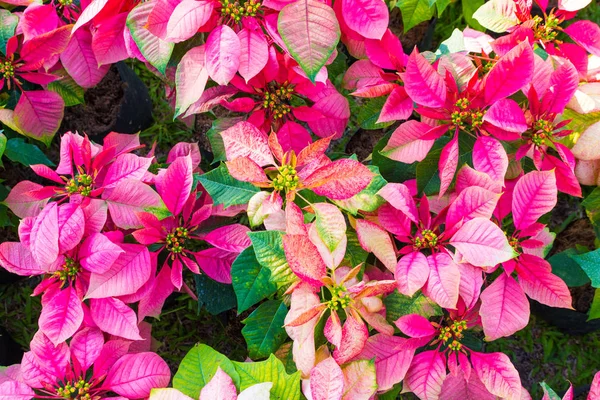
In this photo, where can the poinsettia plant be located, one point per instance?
(359, 277)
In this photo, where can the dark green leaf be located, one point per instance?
(392, 171)
(215, 296)
(251, 281)
(428, 177)
(355, 254)
(567, 269)
(369, 114)
(18, 150)
(397, 305)
(590, 263)
(264, 331)
(216, 140)
(226, 190)
(69, 90)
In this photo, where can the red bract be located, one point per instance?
(87, 368)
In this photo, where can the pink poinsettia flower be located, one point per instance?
(77, 265)
(533, 195)
(88, 171)
(427, 261)
(273, 97)
(548, 96)
(544, 29)
(472, 105)
(180, 233)
(487, 376)
(358, 299)
(86, 368)
(249, 150)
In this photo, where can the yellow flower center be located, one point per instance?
(7, 69)
(68, 270)
(545, 31)
(339, 298)
(428, 239)
(236, 10)
(78, 390)
(453, 334)
(287, 179)
(80, 184)
(277, 98)
(176, 240)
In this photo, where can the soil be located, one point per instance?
(102, 104)
(363, 142)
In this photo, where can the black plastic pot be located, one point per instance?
(568, 321)
(119, 103)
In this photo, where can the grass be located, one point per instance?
(543, 353)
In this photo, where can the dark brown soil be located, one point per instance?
(583, 297)
(363, 142)
(414, 37)
(202, 124)
(99, 113)
(578, 232)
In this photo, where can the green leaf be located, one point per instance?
(590, 263)
(551, 394)
(580, 122)
(441, 6)
(355, 254)
(397, 305)
(311, 32)
(414, 12)
(391, 170)
(216, 140)
(567, 269)
(2, 147)
(159, 212)
(595, 308)
(592, 206)
(17, 150)
(8, 23)
(369, 114)
(285, 387)
(69, 90)
(469, 7)
(251, 281)
(268, 248)
(264, 331)
(215, 296)
(226, 190)
(428, 177)
(198, 367)
(391, 394)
